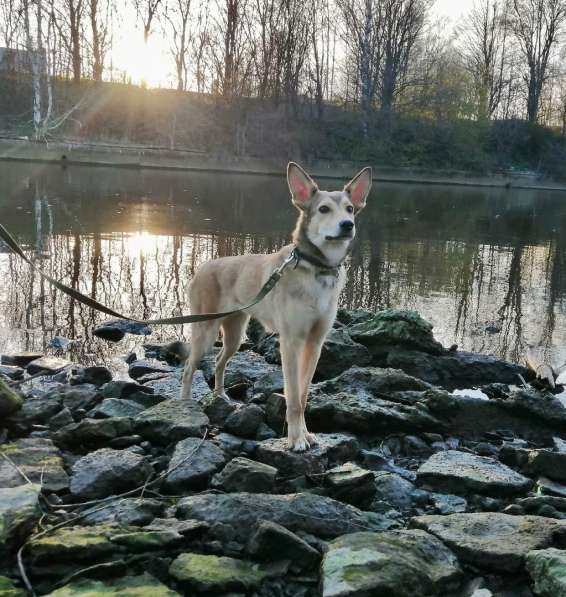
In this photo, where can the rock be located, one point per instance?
(400, 563)
(10, 401)
(116, 407)
(547, 568)
(125, 389)
(493, 540)
(170, 385)
(318, 515)
(47, 364)
(462, 472)
(551, 487)
(339, 352)
(63, 418)
(125, 511)
(248, 368)
(395, 328)
(354, 316)
(275, 411)
(145, 366)
(20, 359)
(38, 459)
(245, 421)
(214, 574)
(11, 372)
(9, 589)
(201, 459)
(547, 463)
(398, 493)
(456, 369)
(370, 399)
(273, 542)
(218, 408)
(115, 329)
(60, 343)
(93, 432)
(95, 375)
(128, 586)
(171, 421)
(331, 449)
(242, 474)
(191, 529)
(108, 472)
(174, 352)
(351, 484)
(448, 504)
(19, 513)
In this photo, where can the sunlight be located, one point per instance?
(143, 62)
(141, 243)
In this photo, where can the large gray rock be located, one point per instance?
(400, 563)
(146, 366)
(245, 421)
(47, 364)
(169, 386)
(116, 407)
(461, 472)
(548, 463)
(19, 512)
(321, 516)
(38, 459)
(242, 474)
(108, 472)
(331, 449)
(125, 511)
(127, 586)
(493, 540)
(93, 432)
(171, 421)
(10, 401)
(370, 399)
(398, 493)
(547, 568)
(193, 463)
(339, 353)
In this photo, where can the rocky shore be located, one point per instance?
(117, 488)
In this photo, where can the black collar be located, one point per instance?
(325, 269)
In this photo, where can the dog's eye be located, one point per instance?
(324, 209)
(350, 209)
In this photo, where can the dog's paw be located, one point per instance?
(298, 442)
(221, 394)
(311, 439)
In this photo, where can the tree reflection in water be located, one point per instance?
(463, 257)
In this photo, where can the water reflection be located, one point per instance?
(465, 258)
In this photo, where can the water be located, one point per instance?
(466, 258)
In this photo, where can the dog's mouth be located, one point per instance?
(345, 236)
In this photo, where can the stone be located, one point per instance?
(461, 472)
(146, 366)
(11, 372)
(128, 586)
(245, 421)
(20, 359)
(116, 407)
(47, 364)
(19, 513)
(395, 328)
(38, 459)
(339, 353)
(318, 515)
(351, 484)
(108, 472)
(125, 511)
(96, 375)
(273, 542)
(448, 504)
(10, 400)
(9, 589)
(397, 492)
(115, 329)
(171, 421)
(193, 463)
(61, 343)
(215, 574)
(547, 463)
(93, 432)
(331, 449)
(400, 563)
(242, 474)
(547, 568)
(493, 540)
(370, 399)
(219, 407)
(353, 316)
(551, 487)
(63, 418)
(169, 386)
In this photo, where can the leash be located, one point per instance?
(93, 304)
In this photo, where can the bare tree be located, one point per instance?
(147, 11)
(99, 15)
(10, 22)
(178, 20)
(537, 25)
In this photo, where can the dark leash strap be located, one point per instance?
(93, 304)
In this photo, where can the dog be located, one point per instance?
(302, 306)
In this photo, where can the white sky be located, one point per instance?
(451, 9)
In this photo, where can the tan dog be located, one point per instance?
(301, 308)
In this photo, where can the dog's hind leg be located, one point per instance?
(203, 337)
(233, 329)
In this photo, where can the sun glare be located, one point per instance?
(143, 62)
(141, 243)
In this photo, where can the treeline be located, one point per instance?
(376, 77)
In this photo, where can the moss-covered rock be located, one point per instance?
(547, 568)
(10, 401)
(393, 328)
(129, 586)
(19, 512)
(139, 541)
(9, 589)
(214, 574)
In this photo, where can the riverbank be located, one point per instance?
(158, 158)
(110, 486)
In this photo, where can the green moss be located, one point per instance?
(129, 586)
(147, 540)
(10, 401)
(8, 588)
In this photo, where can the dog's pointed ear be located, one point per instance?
(359, 187)
(301, 185)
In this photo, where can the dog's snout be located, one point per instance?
(347, 225)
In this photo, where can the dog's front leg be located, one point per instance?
(291, 375)
(309, 361)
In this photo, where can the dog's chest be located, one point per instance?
(315, 293)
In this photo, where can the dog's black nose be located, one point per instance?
(346, 225)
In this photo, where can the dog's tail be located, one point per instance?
(179, 350)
